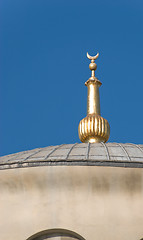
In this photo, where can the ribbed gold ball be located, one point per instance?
(92, 66)
(94, 128)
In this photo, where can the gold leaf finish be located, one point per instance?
(92, 57)
(93, 128)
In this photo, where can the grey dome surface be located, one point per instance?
(78, 154)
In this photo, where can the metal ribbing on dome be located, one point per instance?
(78, 154)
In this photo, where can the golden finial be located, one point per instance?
(92, 57)
(93, 128)
(92, 65)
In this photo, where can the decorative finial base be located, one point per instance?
(94, 128)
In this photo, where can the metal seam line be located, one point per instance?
(108, 156)
(125, 151)
(137, 147)
(53, 151)
(32, 154)
(71, 150)
(21, 153)
(88, 149)
(82, 163)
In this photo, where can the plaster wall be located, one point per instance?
(96, 202)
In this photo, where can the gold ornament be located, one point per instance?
(93, 128)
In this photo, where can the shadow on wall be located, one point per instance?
(62, 234)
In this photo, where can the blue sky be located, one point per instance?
(43, 68)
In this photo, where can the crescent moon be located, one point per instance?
(92, 57)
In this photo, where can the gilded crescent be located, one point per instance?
(92, 57)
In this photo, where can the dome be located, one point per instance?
(78, 154)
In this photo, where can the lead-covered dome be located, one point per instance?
(80, 154)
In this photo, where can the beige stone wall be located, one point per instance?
(96, 202)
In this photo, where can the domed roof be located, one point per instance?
(78, 154)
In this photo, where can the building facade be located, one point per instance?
(86, 191)
(74, 191)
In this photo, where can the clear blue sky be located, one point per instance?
(43, 67)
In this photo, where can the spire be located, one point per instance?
(93, 128)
